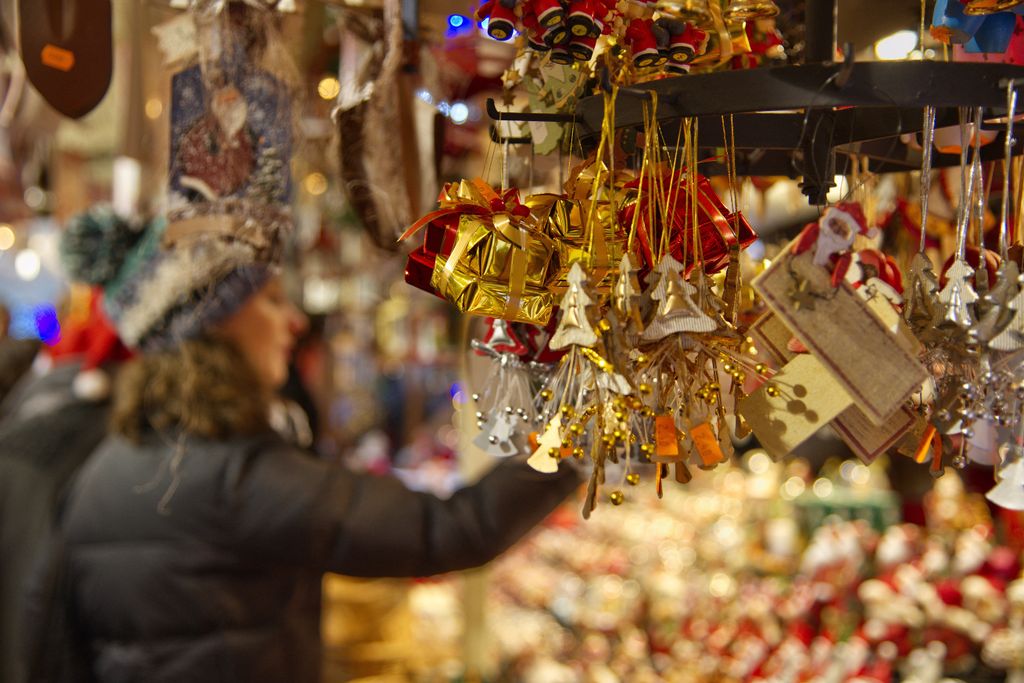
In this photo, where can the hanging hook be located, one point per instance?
(492, 111)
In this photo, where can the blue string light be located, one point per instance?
(456, 21)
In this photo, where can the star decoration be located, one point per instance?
(801, 294)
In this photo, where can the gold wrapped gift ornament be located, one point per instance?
(494, 261)
(584, 225)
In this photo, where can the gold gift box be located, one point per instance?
(565, 218)
(499, 266)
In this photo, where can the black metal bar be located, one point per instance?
(785, 130)
(871, 84)
(494, 113)
(820, 19)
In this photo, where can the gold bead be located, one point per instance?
(608, 440)
(577, 453)
(714, 386)
(727, 367)
(566, 443)
(546, 395)
(752, 350)
(637, 404)
(554, 452)
(604, 325)
(616, 497)
(633, 478)
(644, 388)
(646, 448)
(740, 377)
(568, 411)
(619, 415)
(761, 369)
(648, 412)
(576, 428)
(617, 435)
(772, 390)
(641, 359)
(713, 398)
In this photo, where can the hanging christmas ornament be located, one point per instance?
(583, 402)
(1008, 493)
(504, 408)
(958, 296)
(1011, 337)
(501, 338)
(574, 328)
(1003, 320)
(676, 312)
(626, 298)
(920, 309)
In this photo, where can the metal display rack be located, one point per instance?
(809, 121)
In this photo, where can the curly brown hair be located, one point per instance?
(203, 387)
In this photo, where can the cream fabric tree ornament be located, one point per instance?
(1011, 338)
(996, 308)
(677, 312)
(574, 329)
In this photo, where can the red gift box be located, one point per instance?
(718, 229)
(439, 236)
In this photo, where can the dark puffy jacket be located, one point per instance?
(202, 561)
(46, 435)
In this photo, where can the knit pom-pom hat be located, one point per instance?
(157, 296)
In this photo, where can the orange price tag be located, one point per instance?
(707, 445)
(666, 437)
(925, 444)
(57, 57)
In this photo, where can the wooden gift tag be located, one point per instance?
(842, 333)
(863, 437)
(809, 398)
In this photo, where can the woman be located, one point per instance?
(196, 537)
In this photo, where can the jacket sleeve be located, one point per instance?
(286, 507)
